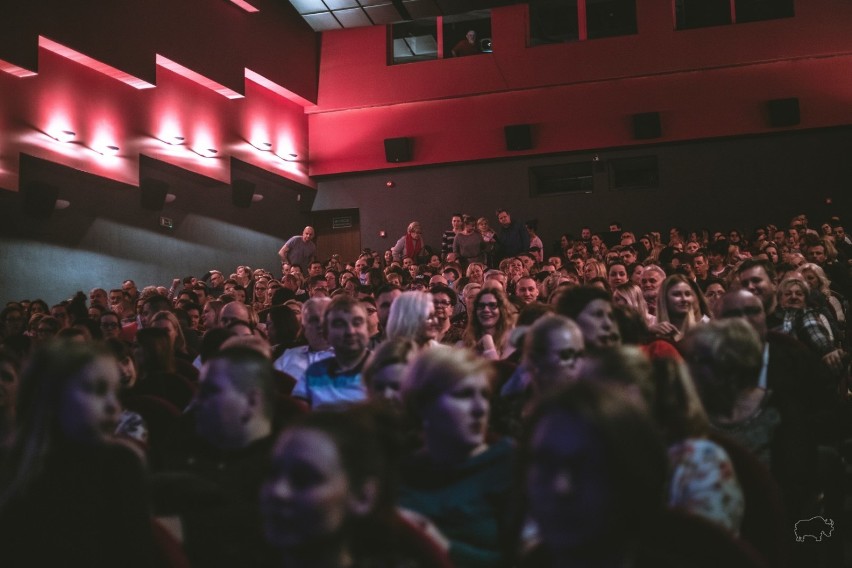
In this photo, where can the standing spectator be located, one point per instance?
(299, 250)
(512, 239)
(410, 245)
(536, 246)
(469, 244)
(448, 237)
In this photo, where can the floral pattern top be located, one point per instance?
(703, 482)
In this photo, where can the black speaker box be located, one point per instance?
(241, 193)
(153, 194)
(518, 137)
(783, 112)
(398, 149)
(646, 125)
(39, 199)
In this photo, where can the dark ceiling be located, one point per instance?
(324, 15)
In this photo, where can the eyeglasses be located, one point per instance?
(443, 303)
(110, 326)
(490, 305)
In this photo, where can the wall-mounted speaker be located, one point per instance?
(518, 137)
(398, 149)
(153, 194)
(783, 112)
(646, 125)
(241, 193)
(39, 199)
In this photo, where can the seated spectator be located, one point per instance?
(457, 484)
(213, 483)
(725, 359)
(158, 375)
(343, 513)
(412, 317)
(296, 360)
(488, 328)
(680, 306)
(702, 480)
(10, 367)
(337, 380)
(69, 495)
(595, 477)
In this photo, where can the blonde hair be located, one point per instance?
(434, 372)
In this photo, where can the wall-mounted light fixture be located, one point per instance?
(64, 136)
(107, 150)
(206, 152)
(173, 140)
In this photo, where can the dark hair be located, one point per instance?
(635, 461)
(442, 289)
(158, 357)
(43, 383)
(367, 443)
(574, 300)
(384, 289)
(212, 341)
(286, 323)
(193, 297)
(750, 263)
(255, 372)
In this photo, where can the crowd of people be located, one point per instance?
(622, 401)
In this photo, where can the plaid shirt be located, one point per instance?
(809, 327)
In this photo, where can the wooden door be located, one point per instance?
(338, 232)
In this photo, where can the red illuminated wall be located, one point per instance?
(264, 63)
(706, 83)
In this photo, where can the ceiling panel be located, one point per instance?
(341, 4)
(322, 22)
(309, 6)
(421, 8)
(380, 12)
(384, 14)
(352, 18)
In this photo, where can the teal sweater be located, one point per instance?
(468, 502)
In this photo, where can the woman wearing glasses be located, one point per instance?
(488, 330)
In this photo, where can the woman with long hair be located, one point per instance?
(157, 374)
(680, 306)
(630, 295)
(412, 317)
(827, 301)
(489, 324)
(69, 495)
(592, 269)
